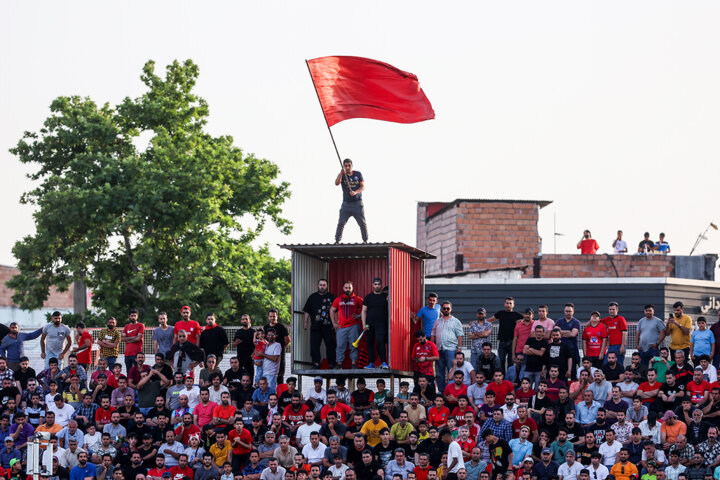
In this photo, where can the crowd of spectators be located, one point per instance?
(589, 246)
(532, 409)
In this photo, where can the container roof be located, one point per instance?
(328, 251)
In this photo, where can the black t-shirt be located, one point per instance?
(22, 377)
(366, 472)
(575, 433)
(233, 378)
(557, 355)
(384, 454)
(714, 408)
(635, 450)
(8, 393)
(552, 429)
(318, 307)
(684, 375)
(500, 451)
(240, 395)
(355, 178)
(507, 321)
(377, 308)
(598, 430)
(154, 412)
(668, 390)
(354, 456)
(280, 333)
(612, 374)
(435, 450)
(534, 363)
(584, 453)
(247, 347)
(284, 400)
(360, 399)
(650, 244)
(539, 403)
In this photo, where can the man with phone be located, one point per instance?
(679, 328)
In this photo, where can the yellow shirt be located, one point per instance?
(220, 455)
(678, 340)
(372, 431)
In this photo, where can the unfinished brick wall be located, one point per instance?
(576, 266)
(55, 300)
(487, 234)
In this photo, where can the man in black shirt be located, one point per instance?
(317, 316)
(352, 183)
(559, 354)
(598, 428)
(233, 375)
(375, 319)
(534, 349)
(508, 318)
(367, 468)
(245, 345)
(213, 339)
(612, 369)
(23, 373)
(433, 446)
(282, 336)
(244, 392)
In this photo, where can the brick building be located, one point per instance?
(10, 312)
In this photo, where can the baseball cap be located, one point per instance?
(669, 414)
(528, 459)
(480, 310)
(13, 461)
(318, 379)
(546, 450)
(167, 475)
(529, 310)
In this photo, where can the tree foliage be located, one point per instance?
(152, 228)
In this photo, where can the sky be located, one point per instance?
(608, 109)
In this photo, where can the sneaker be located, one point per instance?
(370, 365)
(353, 366)
(316, 365)
(338, 367)
(385, 365)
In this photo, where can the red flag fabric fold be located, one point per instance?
(356, 87)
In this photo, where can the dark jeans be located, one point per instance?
(317, 336)
(129, 363)
(355, 210)
(647, 355)
(377, 338)
(247, 365)
(281, 370)
(505, 353)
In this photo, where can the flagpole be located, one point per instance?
(347, 181)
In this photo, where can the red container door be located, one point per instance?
(400, 304)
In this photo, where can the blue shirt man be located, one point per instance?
(428, 314)
(12, 347)
(83, 469)
(568, 324)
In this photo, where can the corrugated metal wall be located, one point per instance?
(359, 271)
(306, 271)
(400, 304)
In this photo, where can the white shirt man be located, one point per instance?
(570, 469)
(609, 449)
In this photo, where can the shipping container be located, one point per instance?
(401, 268)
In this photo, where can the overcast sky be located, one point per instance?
(609, 109)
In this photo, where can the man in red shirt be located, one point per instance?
(83, 350)
(345, 313)
(454, 390)
(203, 411)
(241, 442)
(587, 244)
(438, 415)
(500, 387)
(343, 411)
(522, 421)
(181, 469)
(466, 443)
(463, 407)
(186, 429)
(133, 337)
(425, 353)
(103, 414)
(160, 468)
(191, 327)
(617, 332)
(699, 388)
(648, 390)
(294, 414)
(595, 338)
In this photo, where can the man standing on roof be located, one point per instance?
(352, 184)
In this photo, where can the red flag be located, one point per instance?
(356, 87)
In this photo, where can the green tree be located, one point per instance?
(152, 228)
